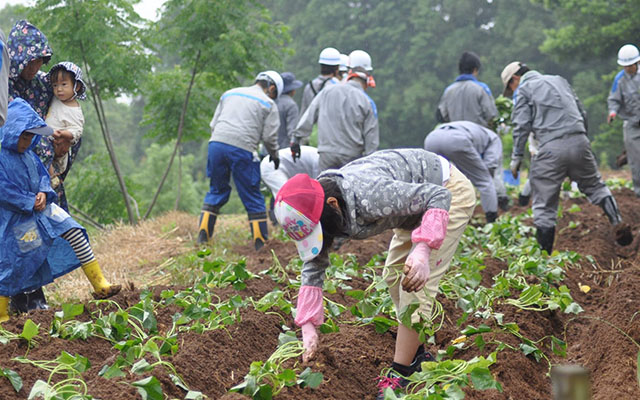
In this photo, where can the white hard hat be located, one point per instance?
(329, 56)
(359, 58)
(628, 55)
(344, 62)
(274, 77)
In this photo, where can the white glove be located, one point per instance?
(309, 341)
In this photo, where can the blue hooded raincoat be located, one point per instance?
(32, 253)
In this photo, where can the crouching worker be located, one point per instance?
(40, 241)
(418, 194)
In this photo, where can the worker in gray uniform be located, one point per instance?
(468, 99)
(547, 106)
(329, 61)
(287, 109)
(624, 101)
(476, 151)
(347, 118)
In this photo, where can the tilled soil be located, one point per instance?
(352, 358)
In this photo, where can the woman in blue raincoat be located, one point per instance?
(40, 241)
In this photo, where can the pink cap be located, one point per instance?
(298, 208)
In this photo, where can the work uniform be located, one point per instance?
(393, 189)
(306, 164)
(475, 150)
(314, 87)
(288, 111)
(244, 117)
(624, 101)
(347, 121)
(547, 106)
(5, 61)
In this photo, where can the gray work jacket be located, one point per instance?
(388, 189)
(347, 121)
(288, 110)
(624, 98)
(547, 106)
(245, 116)
(312, 89)
(468, 100)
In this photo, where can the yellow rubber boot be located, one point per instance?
(207, 224)
(4, 309)
(103, 289)
(259, 229)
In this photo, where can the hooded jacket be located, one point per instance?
(32, 253)
(26, 43)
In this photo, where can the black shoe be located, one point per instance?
(504, 203)
(421, 356)
(545, 237)
(24, 302)
(523, 200)
(491, 216)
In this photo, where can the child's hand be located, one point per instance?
(41, 202)
(309, 341)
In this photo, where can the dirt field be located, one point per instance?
(351, 359)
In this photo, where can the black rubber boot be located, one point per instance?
(623, 234)
(259, 229)
(207, 223)
(272, 214)
(23, 302)
(504, 203)
(545, 237)
(610, 208)
(491, 216)
(523, 200)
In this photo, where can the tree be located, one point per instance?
(217, 44)
(104, 38)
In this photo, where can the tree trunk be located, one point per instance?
(179, 179)
(97, 104)
(180, 129)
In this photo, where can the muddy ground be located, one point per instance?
(352, 358)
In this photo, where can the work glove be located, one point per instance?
(275, 160)
(621, 159)
(491, 216)
(295, 151)
(416, 268)
(309, 341)
(514, 166)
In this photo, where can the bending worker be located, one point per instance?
(476, 151)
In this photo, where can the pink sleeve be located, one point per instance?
(432, 229)
(310, 306)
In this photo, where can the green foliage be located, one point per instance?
(146, 180)
(9, 15)
(92, 187)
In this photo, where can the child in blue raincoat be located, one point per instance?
(40, 241)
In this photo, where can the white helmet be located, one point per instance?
(628, 55)
(359, 58)
(344, 62)
(329, 56)
(272, 77)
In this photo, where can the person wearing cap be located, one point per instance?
(329, 61)
(418, 194)
(547, 106)
(476, 151)
(244, 117)
(288, 109)
(347, 118)
(5, 60)
(40, 241)
(624, 100)
(65, 117)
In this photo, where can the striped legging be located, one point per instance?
(80, 245)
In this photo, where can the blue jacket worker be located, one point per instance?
(40, 241)
(244, 117)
